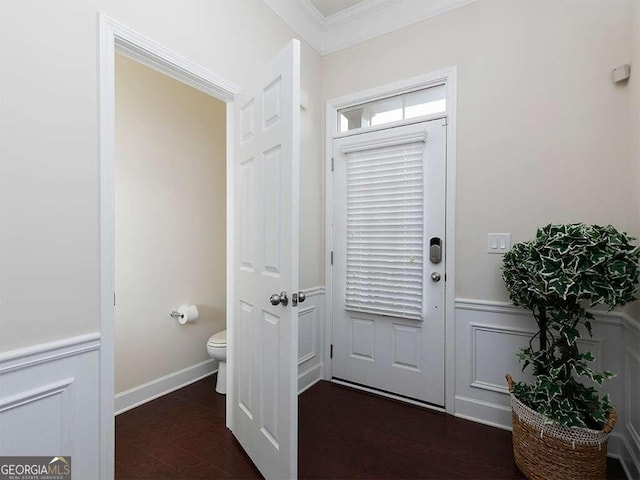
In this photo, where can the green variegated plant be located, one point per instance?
(557, 275)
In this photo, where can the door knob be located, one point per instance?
(435, 276)
(297, 297)
(281, 298)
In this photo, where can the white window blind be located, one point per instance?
(385, 233)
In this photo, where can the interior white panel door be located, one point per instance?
(389, 209)
(265, 342)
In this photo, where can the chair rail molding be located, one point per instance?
(46, 352)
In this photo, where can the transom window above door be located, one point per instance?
(420, 103)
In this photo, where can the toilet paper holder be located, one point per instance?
(185, 314)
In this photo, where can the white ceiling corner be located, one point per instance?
(357, 23)
(329, 7)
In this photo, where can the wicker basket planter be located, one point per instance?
(547, 451)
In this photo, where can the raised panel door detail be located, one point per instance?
(271, 202)
(246, 230)
(388, 316)
(270, 365)
(247, 127)
(272, 103)
(363, 339)
(245, 398)
(406, 347)
(268, 132)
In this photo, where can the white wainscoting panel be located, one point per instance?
(311, 338)
(49, 403)
(630, 426)
(488, 336)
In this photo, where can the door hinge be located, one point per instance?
(331, 351)
(114, 299)
(445, 122)
(331, 257)
(332, 164)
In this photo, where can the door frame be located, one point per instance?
(449, 77)
(117, 38)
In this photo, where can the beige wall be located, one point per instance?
(312, 179)
(634, 88)
(170, 222)
(633, 182)
(542, 132)
(49, 161)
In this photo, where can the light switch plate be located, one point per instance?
(498, 242)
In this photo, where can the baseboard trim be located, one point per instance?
(494, 415)
(487, 413)
(134, 397)
(309, 378)
(630, 463)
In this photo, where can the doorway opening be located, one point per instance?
(262, 176)
(390, 242)
(118, 39)
(170, 233)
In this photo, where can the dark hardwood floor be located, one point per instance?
(343, 434)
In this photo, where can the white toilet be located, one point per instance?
(217, 349)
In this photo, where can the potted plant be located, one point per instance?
(561, 425)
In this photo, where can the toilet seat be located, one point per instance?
(218, 340)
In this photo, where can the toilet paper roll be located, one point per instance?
(188, 313)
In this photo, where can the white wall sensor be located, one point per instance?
(621, 73)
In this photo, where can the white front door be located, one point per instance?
(265, 263)
(389, 260)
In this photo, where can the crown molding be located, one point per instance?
(356, 24)
(300, 18)
(314, 15)
(357, 12)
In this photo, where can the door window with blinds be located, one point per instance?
(385, 228)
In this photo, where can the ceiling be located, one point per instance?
(329, 7)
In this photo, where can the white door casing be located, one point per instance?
(402, 356)
(115, 37)
(266, 169)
